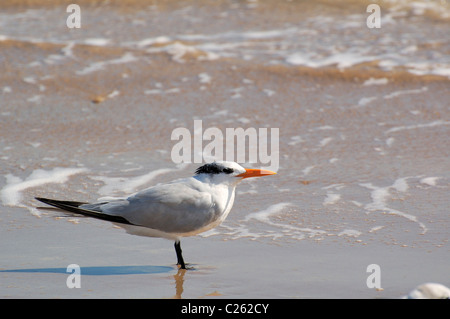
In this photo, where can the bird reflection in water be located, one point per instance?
(179, 281)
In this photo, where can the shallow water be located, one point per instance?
(363, 117)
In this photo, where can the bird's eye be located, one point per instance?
(228, 170)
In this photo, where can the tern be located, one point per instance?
(181, 208)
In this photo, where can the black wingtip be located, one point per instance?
(72, 207)
(53, 202)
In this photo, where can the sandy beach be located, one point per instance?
(362, 167)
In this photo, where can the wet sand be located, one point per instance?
(222, 269)
(364, 153)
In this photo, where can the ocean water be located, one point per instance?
(363, 114)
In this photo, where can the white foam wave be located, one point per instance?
(416, 126)
(264, 215)
(341, 60)
(11, 194)
(204, 78)
(331, 199)
(129, 185)
(325, 141)
(247, 35)
(431, 181)
(151, 41)
(178, 50)
(375, 229)
(381, 195)
(282, 229)
(419, 7)
(97, 41)
(374, 81)
(350, 233)
(366, 100)
(405, 92)
(307, 170)
(97, 66)
(296, 139)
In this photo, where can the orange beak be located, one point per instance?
(251, 172)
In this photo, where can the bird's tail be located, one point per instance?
(74, 207)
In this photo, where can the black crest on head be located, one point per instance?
(213, 168)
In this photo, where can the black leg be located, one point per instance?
(179, 255)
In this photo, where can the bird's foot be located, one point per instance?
(185, 266)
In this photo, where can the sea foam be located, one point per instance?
(115, 185)
(11, 194)
(264, 215)
(381, 195)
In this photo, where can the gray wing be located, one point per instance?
(174, 208)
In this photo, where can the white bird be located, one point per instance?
(183, 207)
